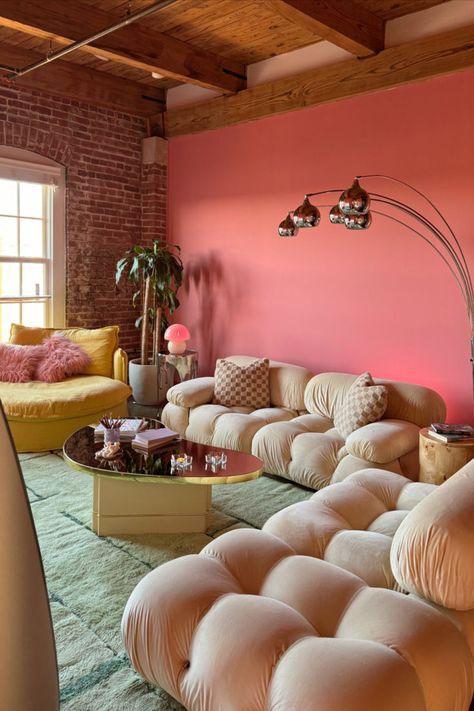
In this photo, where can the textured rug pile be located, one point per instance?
(90, 578)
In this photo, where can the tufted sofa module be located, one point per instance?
(250, 624)
(296, 437)
(352, 524)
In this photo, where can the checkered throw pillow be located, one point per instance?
(365, 402)
(242, 386)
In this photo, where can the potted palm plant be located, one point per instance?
(156, 272)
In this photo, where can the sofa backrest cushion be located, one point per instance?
(287, 382)
(326, 392)
(98, 343)
(432, 552)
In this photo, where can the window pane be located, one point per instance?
(8, 240)
(31, 238)
(32, 280)
(9, 313)
(31, 200)
(9, 279)
(33, 314)
(8, 197)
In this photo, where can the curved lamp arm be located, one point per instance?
(353, 210)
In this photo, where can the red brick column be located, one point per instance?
(154, 188)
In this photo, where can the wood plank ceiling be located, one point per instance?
(209, 43)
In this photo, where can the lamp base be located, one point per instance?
(176, 347)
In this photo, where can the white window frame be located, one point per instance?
(24, 166)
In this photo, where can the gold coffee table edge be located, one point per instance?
(119, 506)
(164, 479)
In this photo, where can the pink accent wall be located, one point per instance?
(330, 299)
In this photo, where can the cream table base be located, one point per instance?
(124, 506)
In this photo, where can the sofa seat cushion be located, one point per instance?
(304, 635)
(305, 449)
(72, 397)
(352, 524)
(382, 442)
(231, 427)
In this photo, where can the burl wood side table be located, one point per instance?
(439, 460)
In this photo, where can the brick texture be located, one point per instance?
(112, 201)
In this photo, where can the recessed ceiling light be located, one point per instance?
(155, 75)
(101, 57)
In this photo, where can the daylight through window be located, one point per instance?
(30, 256)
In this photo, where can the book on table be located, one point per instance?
(152, 439)
(451, 438)
(128, 429)
(460, 431)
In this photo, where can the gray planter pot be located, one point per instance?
(148, 385)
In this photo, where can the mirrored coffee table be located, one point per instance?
(141, 493)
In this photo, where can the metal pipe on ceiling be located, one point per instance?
(81, 43)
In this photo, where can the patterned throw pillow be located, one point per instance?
(242, 385)
(365, 402)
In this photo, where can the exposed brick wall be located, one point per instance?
(101, 150)
(154, 196)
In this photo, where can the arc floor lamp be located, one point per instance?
(355, 208)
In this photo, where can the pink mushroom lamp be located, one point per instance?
(177, 335)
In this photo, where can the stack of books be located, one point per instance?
(452, 433)
(128, 429)
(154, 439)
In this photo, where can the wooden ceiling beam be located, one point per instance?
(344, 23)
(132, 45)
(441, 54)
(83, 84)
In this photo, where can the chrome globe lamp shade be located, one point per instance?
(287, 227)
(306, 215)
(358, 222)
(336, 217)
(355, 200)
(355, 209)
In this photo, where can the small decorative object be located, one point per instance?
(216, 460)
(108, 451)
(111, 427)
(177, 335)
(181, 461)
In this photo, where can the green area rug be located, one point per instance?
(90, 578)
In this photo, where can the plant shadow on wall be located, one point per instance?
(216, 293)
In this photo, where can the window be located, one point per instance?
(31, 244)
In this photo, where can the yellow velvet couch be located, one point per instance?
(42, 415)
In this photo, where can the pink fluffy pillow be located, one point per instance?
(18, 363)
(61, 357)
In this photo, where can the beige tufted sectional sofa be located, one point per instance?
(352, 524)
(251, 624)
(296, 437)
